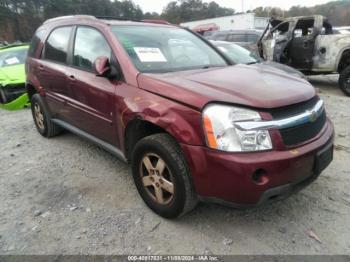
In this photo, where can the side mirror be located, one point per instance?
(102, 66)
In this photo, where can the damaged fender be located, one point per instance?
(180, 121)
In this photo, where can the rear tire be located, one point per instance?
(344, 80)
(42, 118)
(162, 176)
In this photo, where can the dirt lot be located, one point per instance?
(67, 196)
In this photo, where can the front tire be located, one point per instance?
(344, 80)
(162, 176)
(42, 118)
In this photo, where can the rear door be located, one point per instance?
(91, 101)
(51, 69)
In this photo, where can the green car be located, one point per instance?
(13, 93)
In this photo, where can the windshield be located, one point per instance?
(165, 49)
(237, 54)
(12, 57)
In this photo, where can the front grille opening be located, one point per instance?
(298, 134)
(292, 110)
(304, 132)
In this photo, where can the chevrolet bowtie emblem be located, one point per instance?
(313, 116)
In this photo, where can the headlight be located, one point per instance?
(221, 133)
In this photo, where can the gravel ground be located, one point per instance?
(67, 196)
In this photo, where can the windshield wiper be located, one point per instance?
(252, 63)
(209, 66)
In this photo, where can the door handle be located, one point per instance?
(71, 77)
(41, 67)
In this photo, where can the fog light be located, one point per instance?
(260, 177)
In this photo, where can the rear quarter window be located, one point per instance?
(37, 38)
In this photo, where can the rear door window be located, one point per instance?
(56, 46)
(89, 44)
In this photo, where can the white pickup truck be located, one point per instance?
(310, 45)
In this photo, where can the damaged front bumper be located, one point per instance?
(13, 96)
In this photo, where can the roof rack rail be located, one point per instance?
(156, 21)
(116, 18)
(67, 17)
(153, 21)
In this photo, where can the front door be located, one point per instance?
(303, 44)
(91, 103)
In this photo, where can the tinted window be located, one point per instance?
(56, 46)
(35, 42)
(89, 44)
(236, 38)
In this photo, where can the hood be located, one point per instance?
(12, 74)
(284, 68)
(248, 85)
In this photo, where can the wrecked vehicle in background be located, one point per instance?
(309, 45)
(13, 93)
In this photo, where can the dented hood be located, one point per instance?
(249, 85)
(12, 74)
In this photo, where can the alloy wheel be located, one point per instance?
(39, 116)
(157, 179)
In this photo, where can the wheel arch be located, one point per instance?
(344, 59)
(137, 129)
(182, 129)
(31, 90)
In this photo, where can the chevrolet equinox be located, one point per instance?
(193, 125)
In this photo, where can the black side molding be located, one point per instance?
(106, 146)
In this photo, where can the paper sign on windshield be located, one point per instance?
(12, 61)
(149, 54)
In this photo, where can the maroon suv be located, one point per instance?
(193, 125)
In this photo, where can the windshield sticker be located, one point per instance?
(12, 61)
(149, 54)
(222, 49)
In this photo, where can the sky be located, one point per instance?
(158, 5)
